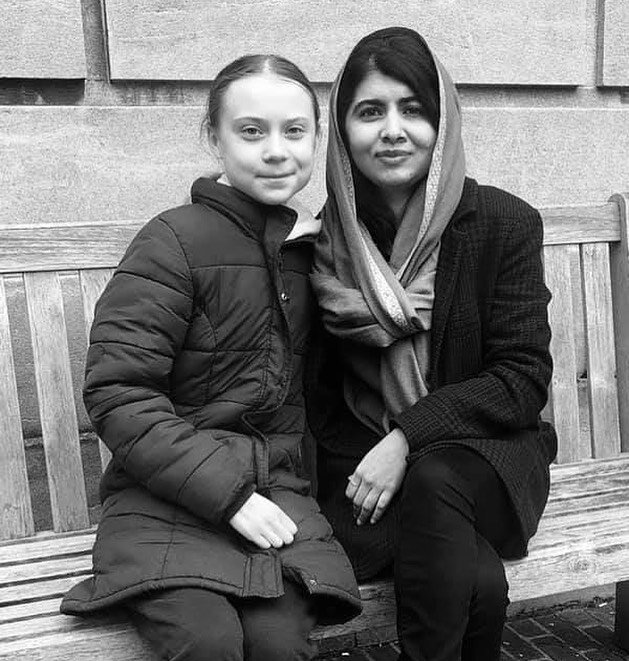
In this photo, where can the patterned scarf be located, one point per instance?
(384, 310)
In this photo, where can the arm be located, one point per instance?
(510, 390)
(139, 328)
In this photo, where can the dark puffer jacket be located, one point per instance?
(194, 382)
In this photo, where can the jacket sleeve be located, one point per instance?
(510, 390)
(140, 324)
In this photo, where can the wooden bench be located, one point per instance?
(583, 539)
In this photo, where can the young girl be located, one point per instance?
(432, 293)
(209, 536)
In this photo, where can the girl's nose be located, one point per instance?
(275, 149)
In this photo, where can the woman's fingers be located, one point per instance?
(367, 506)
(381, 506)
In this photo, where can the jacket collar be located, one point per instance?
(250, 215)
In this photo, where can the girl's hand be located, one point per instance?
(262, 522)
(378, 477)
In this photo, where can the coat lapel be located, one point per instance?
(447, 276)
(448, 269)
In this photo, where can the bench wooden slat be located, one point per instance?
(45, 569)
(599, 332)
(93, 282)
(64, 247)
(114, 642)
(583, 224)
(29, 610)
(619, 261)
(563, 391)
(56, 401)
(16, 514)
(47, 545)
(56, 587)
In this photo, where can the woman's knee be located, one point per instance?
(430, 477)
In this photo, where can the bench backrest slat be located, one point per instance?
(619, 262)
(93, 282)
(601, 353)
(564, 403)
(56, 401)
(16, 518)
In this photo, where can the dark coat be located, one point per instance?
(489, 372)
(194, 382)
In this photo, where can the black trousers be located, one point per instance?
(440, 534)
(193, 624)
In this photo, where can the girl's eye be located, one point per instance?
(250, 132)
(295, 132)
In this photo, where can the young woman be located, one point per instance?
(433, 302)
(209, 536)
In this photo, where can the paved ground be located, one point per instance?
(575, 633)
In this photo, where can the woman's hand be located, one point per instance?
(262, 522)
(378, 477)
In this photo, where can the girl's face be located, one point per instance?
(266, 137)
(389, 138)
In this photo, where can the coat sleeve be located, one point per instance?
(139, 327)
(508, 393)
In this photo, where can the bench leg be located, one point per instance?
(621, 626)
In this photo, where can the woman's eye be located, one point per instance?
(369, 112)
(414, 110)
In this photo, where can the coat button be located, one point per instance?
(284, 297)
(312, 582)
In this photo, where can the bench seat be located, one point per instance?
(588, 507)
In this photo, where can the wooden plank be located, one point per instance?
(565, 405)
(93, 282)
(16, 515)
(29, 610)
(619, 262)
(46, 546)
(41, 39)
(581, 224)
(16, 594)
(615, 47)
(480, 43)
(87, 642)
(62, 247)
(599, 330)
(45, 569)
(56, 401)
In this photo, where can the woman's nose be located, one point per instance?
(392, 129)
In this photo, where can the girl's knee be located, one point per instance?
(290, 646)
(430, 476)
(210, 644)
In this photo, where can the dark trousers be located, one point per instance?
(193, 624)
(450, 584)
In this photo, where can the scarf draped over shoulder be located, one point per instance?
(382, 311)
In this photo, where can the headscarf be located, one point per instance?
(384, 309)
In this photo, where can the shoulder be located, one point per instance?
(497, 203)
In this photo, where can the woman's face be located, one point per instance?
(266, 137)
(389, 138)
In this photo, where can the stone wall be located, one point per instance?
(101, 100)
